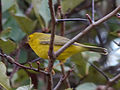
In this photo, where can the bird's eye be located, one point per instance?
(30, 37)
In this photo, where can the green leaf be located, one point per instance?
(6, 4)
(45, 12)
(23, 56)
(57, 67)
(115, 34)
(80, 60)
(4, 35)
(22, 76)
(23, 79)
(91, 56)
(94, 76)
(27, 87)
(16, 33)
(112, 24)
(41, 8)
(80, 64)
(41, 84)
(7, 46)
(25, 23)
(70, 4)
(87, 86)
(4, 80)
(117, 85)
(42, 12)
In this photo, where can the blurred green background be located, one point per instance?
(23, 17)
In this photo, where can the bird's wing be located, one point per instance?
(59, 40)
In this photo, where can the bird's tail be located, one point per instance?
(99, 50)
(95, 49)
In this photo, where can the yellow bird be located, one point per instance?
(39, 42)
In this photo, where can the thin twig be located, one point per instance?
(116, 43)
(93, 11)
(62, 79)
(62, 16)
(29, 10)
(64, 74)
(86, 30)
(15, 68)
(35, 60)
(71, 19)
(112, 81)
(99, 70)
(12, 61)
(89, 18)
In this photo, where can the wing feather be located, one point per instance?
(59, 40)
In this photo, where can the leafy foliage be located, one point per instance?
(17, 25)
(4, 79)
(86, 86)
(27, 87)
(4, 42)
(72, 4)
(26, 24)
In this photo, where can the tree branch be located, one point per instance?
(112, 81)
(12, 61)
(89, 18)
(51, 54)
(62, 79)
(71, 19)
(99, 70)
(86, 30)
